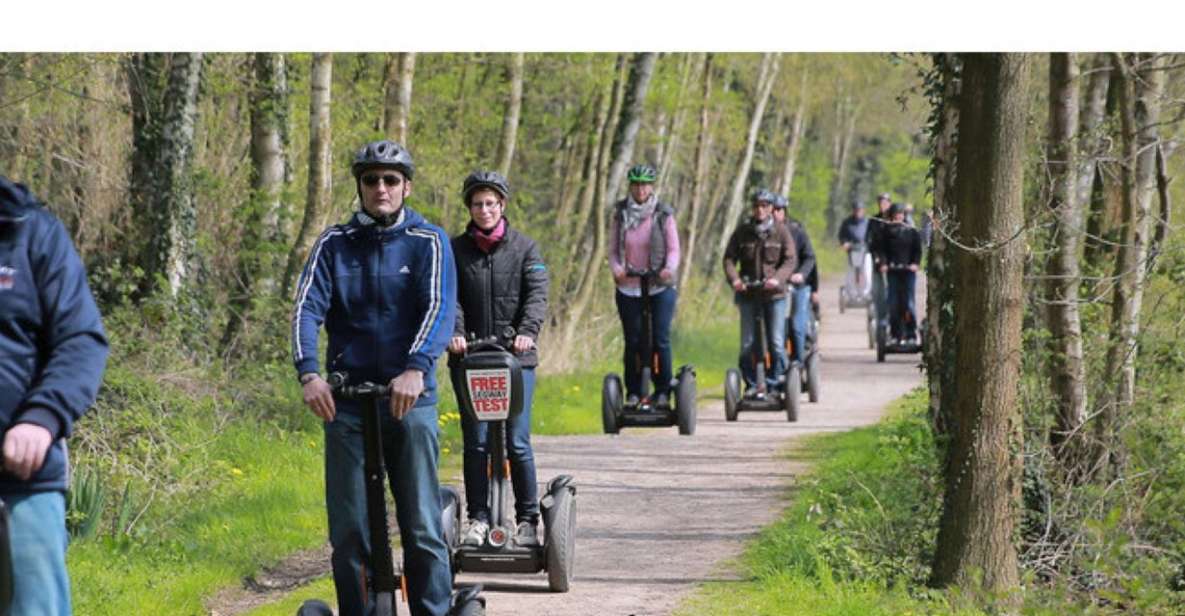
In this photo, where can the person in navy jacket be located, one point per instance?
(52, 354)
(383, 285)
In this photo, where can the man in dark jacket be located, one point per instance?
(800, 306)
(52, 354)
(501, 291)
(902, 252)
(875, 226)
(760, 250)
(384, 286)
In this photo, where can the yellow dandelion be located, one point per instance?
(236, 472)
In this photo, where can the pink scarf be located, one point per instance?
(487, 240)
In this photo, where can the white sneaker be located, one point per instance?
(476, 535)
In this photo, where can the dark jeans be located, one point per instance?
(800, 318)
(662, 312)
(774, 311)
(410, 453)
(901, 301)
(518, 450)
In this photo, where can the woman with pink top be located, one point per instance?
(643, 238)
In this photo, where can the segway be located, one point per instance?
(489, 383)
(783, 398)
(809, 368)
(616, 413)
(885, 346)
(852, 295)
(382, 578)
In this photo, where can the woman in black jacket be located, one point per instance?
(501, 285)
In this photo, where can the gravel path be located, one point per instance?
(659, 513)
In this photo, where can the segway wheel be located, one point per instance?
(611, 401)
(880, 345)
(732, 393)
(812, 377)
(561, 542)
(793, 393)
(314, 607)
(685, 402)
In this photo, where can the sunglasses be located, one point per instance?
(390, 179)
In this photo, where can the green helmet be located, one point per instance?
(643, 174)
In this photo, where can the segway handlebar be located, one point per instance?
(898, 266)
(339, 384)
(495, 342)
(636, 273)
(752, 285)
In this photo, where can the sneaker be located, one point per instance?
(662, 401)
(526, 535)
(476, 535)
(631, 400)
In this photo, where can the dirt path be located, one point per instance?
(659, 513)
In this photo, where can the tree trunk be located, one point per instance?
(766, 77)
(940, 341)
(622, 151)
(835, 201)
(787, 178)
(319, 193)
(1166, 208)
(1141, 83)
(584, 221)
(975, 537)
(665, 160)
(163, 125)
(702, 145)
(401, 68)
(514, 105)
(146, 74)
(1066, 369)
(262, 235)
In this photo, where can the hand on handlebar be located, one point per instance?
(738, 285)
(319, 398)
(405, 388)
(772, 284)
(619, 275)
(522, 344)
(884, 268)
(847, 246)
(457, 346)
(913, 267)
(796, 278)
(25, 446)
(665, 275)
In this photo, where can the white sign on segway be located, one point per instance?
(489, 392)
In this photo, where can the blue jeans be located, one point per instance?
(775, 336)
(802, 319)
(37, 531)
(518, 450)
(901, 301)
(662, 312)
(410, 453)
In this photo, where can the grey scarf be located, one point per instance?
(634, 213)
(764, 226)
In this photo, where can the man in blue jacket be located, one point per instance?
(52, 354)
(383, 284)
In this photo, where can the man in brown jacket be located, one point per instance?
(758, 262)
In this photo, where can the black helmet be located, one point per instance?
(896, 209)
(642, 174)
(485, 179)
(383, 154)
(763, 194)
(857, 205)
(781, 202)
